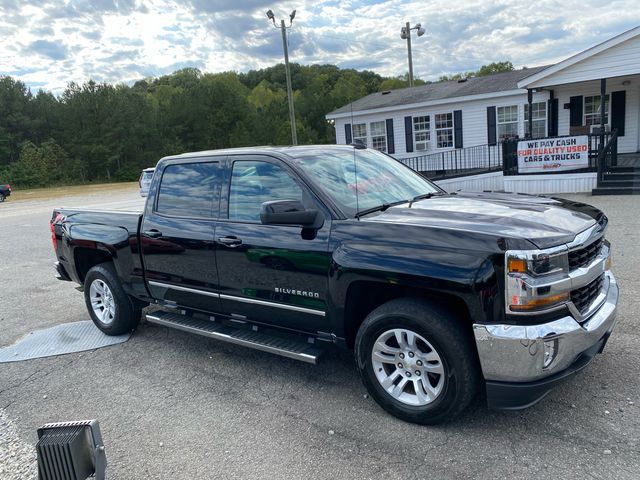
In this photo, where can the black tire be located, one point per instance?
(2, 197)
(125, 317)
(451, 341)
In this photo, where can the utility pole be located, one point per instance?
(405, 34)
(408, 30)
(283, 28)
(292, 115)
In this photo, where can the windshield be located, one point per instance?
(381, 179)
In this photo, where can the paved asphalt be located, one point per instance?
(172, 405)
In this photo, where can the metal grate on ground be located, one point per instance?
(59, 340)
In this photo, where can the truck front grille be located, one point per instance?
(583, 297)
(582, 256)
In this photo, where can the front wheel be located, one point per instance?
(2, 197)
(417, 361)
(109, 306)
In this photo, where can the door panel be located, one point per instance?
(177, 236)
(271, 273)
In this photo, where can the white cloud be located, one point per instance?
(123, 40)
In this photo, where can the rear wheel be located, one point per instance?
(2, 197)
(417, 361)
(111, 309)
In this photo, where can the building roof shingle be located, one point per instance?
(439, 91)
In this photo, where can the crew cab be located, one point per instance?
(288, 250)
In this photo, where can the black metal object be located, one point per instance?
(607, 156)
(71, 451)
(583, 297)
(581, 257)
(458, 162)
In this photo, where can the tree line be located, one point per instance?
(104, 132)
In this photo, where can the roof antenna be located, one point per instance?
(356, 146)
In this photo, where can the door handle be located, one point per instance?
(230, 241)
(153, 233)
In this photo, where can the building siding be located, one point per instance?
(628, 143)
(474, 115)
(474, 121)
(620, 60)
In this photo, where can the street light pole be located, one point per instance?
(283, 28)
(408, 30)
(292, 115)
(405, 33)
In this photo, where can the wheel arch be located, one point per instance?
(87, 258)
(364, 296)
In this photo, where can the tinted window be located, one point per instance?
(188, 189)
(380, 179)
(253, 183)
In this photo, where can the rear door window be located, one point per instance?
(190, 190)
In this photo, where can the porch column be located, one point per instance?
(603, 89)
(530, 124)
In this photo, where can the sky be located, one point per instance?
(48, 44)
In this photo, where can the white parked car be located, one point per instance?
(145, 181)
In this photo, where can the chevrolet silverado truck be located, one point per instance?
(444, 297)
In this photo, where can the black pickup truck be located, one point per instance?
(443, 296)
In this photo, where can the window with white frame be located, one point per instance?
(379, 135)
(444, 129)
(539, 118)
(422, 133)
(359, 131)
(592, 110)
(507, 122)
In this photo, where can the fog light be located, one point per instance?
(550, 352)
(71, 451)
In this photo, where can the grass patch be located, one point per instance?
(55, 192)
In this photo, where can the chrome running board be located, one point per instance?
(286, 347)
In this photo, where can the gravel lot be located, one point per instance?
(173, 405)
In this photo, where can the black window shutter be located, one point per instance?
(457, 128)
(347, 133)
(391, 146)
(408, 133)
(575, 109)
(618, 100)
(492, 137)
(552, 117)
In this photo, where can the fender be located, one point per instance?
(414, 258)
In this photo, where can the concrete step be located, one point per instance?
(615, 182)
(622, 176)
(625, 169)
(604, 190)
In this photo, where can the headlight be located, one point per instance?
(538, 263)
(531, 279)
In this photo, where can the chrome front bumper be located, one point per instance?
(513, 353)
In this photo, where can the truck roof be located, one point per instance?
(283, 150)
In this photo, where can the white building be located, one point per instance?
(565, 100)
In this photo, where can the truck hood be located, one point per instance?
(544, 221)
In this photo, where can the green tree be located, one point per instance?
(490, 69)
(495, 67)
